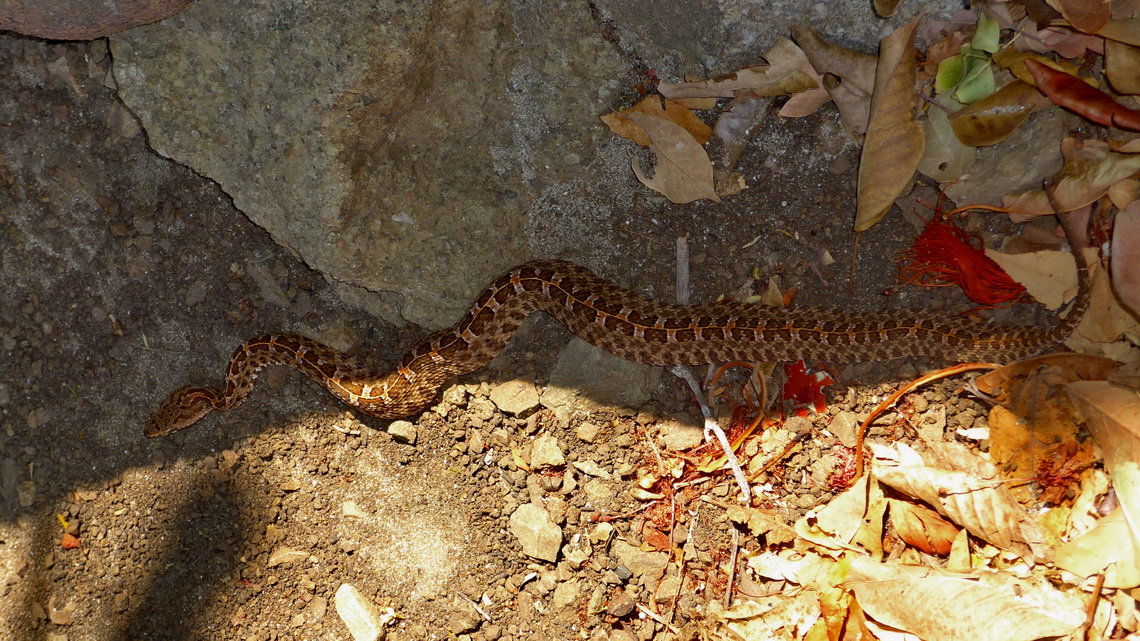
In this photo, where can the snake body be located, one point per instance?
(619, 322)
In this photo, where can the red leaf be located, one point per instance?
(1076, 95)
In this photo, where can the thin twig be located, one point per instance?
(711, 428)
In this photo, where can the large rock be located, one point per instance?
(394, 146)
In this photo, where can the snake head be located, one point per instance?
(183, 408)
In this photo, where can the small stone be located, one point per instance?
(60, 610)
(845, 427)
(682, 432)
(667, 589)
(588, 432)
(285, 555)
(566, 595)
(591, 468)
(292, 485)
(463, 622)
(357, 613)
(620, 605)
(119, 603)
(638, 561)
(455, 395)
(518, 397)
(545, 452)
(598, 492)
(403, 432)
(352, 510)
(537, 533)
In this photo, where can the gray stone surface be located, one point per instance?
(587, 378)
(411, 151)
(393, 146)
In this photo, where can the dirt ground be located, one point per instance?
(125, 275)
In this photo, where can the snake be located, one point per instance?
(622, 323)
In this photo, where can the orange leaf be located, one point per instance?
(69, 542)
(922, 528)
(1077, 96)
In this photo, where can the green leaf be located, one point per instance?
(950, 72)
(978, 83)
(987, 35)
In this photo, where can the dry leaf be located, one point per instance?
(1122, 66)
(855, 516)
(1048, 276)
(1078, 367)
(684, 172)
(945, 158)
(852, 73)
(777, 617)
(843, 616)
(993, 118)
(937, 607)
(895, 141)
(922, 527)
(983, 507)
(622, 125)
(1085, 15)
(1126, 256)
(1112, 413)
(1091, 169)
(783, 75)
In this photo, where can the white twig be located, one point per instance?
(711, 428)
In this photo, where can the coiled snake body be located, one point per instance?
(616, 321)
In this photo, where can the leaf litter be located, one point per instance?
(947, 541)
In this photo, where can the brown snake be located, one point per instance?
(619, 322)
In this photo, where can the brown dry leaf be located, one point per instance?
(895, 141)
(806, 102)
(993, 118)
(1078, 367)
(684, 172)
(808, 569)
(1040, 444)
(853, 518)
(922, 527)
(1126, 31)
(777, 617)
(1124, 193)
(886, 8)
(1085, 15)
(1048, 276)
(940, 607)
(983, 507)
(1105, 322)
(761, 522)
(622, 125)
(1126, 256)
(783, 75)
(852, 74)
(843, 616)
(1122, 66)
(1112, 413)
(1091, 169)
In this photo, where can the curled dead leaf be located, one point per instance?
(922, 527)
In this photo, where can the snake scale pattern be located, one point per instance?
(619, 322)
